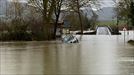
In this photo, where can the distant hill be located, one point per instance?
(106, 14)
(3, 4)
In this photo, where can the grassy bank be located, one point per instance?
(113, 24)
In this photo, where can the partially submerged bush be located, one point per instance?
(19, 29)
(131, 42)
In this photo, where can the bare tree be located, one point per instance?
(46, 7)
(78, 5)
(15, 9)
(49, 7)
(57, 11)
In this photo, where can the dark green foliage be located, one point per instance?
(115, 30)
(132, 12)
(125, 10)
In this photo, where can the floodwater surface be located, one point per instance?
(103, 31)
(94, 54)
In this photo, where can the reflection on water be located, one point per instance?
(103, 31)
(96, 54)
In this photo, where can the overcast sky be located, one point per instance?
(19, 0)
(108, 3)
(104, 3)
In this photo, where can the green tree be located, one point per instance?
(132, 13)
(124, 10)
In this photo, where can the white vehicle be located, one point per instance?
(70, 39)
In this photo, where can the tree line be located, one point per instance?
(38, 19)
(124, 11)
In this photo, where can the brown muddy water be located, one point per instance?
(94, 54)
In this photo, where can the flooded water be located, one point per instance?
(103, 31)
(95, 54)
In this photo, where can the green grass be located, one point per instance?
(110, 23)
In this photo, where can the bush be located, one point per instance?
(16, 36)
(17, 31)
(21, 30)
(131, 42)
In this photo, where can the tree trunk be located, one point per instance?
(127, 26)
(47, 16)
(57, 14)
(55, 26)
(81, 22)
(117, 24)
(78, 7)
(48, 33)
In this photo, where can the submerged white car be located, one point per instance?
(70, 39)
